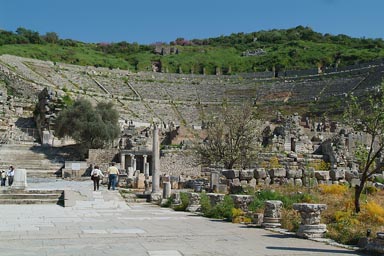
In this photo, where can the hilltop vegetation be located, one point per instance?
(289, 49)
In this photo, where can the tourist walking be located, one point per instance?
(3, 178)
(10, 175)
(96, 175)
(112, 176)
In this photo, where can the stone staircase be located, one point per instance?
(18, 196)
(37, 160)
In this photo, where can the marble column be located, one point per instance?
(156, 164)
(144, 162)
(146, 170)
(122, 160)
(167, 190)
(214, 185)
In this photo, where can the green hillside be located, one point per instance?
(290, 49)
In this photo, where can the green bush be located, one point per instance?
(288, 200)
(184, 202)
(222, 210)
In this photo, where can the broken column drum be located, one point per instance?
(272, 214)
(310, 226)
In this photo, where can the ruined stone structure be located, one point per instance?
(272, 214)
(310, 226)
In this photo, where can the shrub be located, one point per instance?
(370, 190)
(379, 179)
(320, 165)
(290, 220)
(373, 213)
(238, 216)
(184, 202)
(222, 210)
(274, 162)
(288, 200)
(345, 233)
(334, 189)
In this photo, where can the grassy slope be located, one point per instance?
(288, 55)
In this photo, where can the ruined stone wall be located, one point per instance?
(102, 156)
(175, 163)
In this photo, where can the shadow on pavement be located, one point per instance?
(316, 250)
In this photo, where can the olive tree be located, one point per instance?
(91, 127)
(367, 115)
(232, 138)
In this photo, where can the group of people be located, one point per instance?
(97, 175)
(8, 174)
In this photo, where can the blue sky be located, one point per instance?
(149, 21)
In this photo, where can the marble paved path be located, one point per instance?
(101, 223)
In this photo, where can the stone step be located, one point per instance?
(20, 196)
(28, 196)
(29, 191)
(136, 200)
(32, 201)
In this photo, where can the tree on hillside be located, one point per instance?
(91, 127)
(367, 115)
(232, 138)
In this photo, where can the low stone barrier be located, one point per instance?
(376, 245)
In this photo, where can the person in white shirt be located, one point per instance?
(3, 178)
(96, 175)
(10, 175)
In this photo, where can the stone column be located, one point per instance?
(146, 170)
(214, 185)
(134, 164)
(167, 190)
(310, 226)
(272, 214)
(20, 179)
(122, 160)
(144, 162)
(156, 195)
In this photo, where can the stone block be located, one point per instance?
(194, 203)
(140, 181)
(235, 182)
(298, 182)
(215, 198)
(355, 182)
(278, 172)
(247, 174)
(337, 174)
(257, 218)
(260, 173)
(292, 173)
(230, 174)
(312, 231)
(252, 183)
(322, 175)
(242, 201)
(222, 188)
(349, 175)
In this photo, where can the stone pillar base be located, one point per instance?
(156, 197)
(312, 231)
